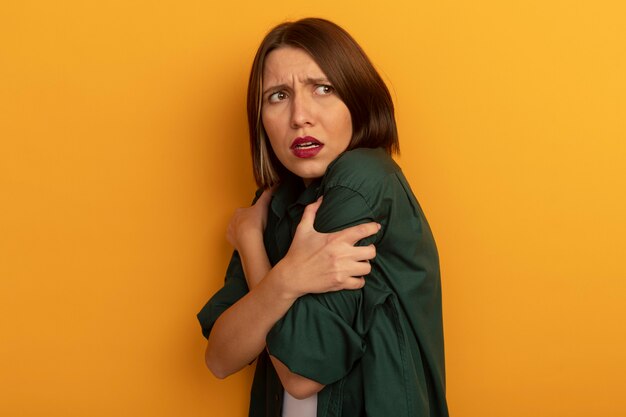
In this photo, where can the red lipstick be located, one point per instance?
(306, 147)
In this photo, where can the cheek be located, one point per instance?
(346, 123)
(270, 124)
(270, 132)
(265, 122)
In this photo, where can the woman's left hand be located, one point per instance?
(249, 223)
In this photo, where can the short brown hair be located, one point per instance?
(351, 73)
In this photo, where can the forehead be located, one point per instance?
(288, 63)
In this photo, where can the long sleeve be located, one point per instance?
(235, 287)
(321, 336)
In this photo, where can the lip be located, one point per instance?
(306, 147)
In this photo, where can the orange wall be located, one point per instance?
(123, 152)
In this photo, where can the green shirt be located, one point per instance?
(378, 350)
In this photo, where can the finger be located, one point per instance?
(265, 197)
(353, 283)
(230, 235)
(360, 269)
(364, 253)
(308, 217)
(355, 233)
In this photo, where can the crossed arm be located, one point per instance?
(315, 263)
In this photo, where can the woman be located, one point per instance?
(335, 208)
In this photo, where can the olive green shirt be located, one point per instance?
(378, 350)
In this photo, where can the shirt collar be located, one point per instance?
(291, 193)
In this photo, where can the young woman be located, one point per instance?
(334, 283)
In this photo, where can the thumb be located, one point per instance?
(308, 217)
(265, 197)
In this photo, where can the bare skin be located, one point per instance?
(298, 101)
(315, 263)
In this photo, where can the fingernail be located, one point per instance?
(379, 226)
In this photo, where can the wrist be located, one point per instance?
(250, 240)
(280, 277)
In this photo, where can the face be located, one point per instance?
(307, 124)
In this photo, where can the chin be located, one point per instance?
(310, 175)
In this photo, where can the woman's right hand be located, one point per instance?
(247, 224)
(315, 263)
(322, 262)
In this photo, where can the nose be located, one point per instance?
(301, 111)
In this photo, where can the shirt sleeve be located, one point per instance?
(320, 337)
(235, 287)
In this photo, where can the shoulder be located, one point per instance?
(360, 169)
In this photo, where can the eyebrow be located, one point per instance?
(307, 81)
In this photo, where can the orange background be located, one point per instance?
(124, 151)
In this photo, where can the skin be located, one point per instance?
(316, 262)
(299, 101)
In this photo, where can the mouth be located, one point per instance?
(307, 142)
(306, 147)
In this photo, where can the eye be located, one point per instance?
(324, 90)
(277, 97)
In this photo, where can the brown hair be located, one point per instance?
(350, 72)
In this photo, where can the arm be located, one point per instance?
(298, 386)
(245, 233)
(322, 335)
(315, 262)
(256, 266)
(245, 324)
